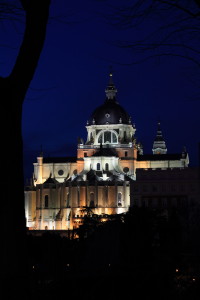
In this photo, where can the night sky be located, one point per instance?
(72, 75)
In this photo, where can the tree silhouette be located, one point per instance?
(13, 90)
(167, 28)
(86, 210)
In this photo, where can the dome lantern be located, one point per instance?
(110, 112)
(159, 146)
(111, 89)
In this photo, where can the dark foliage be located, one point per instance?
(140, 253)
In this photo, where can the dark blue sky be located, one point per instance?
(72, 75)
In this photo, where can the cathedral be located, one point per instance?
(99, 180)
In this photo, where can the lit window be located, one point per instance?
(68, 198)
(119, 198)
(91, 199)
(114, 138)
(100, 140)
(46, 201)
(107, 137)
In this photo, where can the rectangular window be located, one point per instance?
(46, 201)
(154, 188)
(144, 188)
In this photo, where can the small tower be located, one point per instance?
(159, 146)
(39, 174)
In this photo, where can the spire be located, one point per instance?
(111, 89)
(159, 146)
(184, 152)
(159, 136)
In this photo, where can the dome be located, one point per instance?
(109, 113)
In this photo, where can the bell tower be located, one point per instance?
(159, 146)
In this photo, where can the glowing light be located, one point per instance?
(193, 279)
(104, 220)
(177, 270)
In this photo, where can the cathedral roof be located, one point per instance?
(78, 178)
(51, 181)
(144, 157)
(92, 176)
(59, 159)
(110, 112)
(115, 177)
(105, 152)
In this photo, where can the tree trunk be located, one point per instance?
(12, 91)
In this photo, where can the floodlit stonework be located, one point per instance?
(99, 179)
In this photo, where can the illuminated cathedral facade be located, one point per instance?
(100, 178)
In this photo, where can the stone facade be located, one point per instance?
(99, 179)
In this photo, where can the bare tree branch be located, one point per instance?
(179, 7)
(175, 28)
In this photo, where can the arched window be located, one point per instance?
(98, 167)
(100, 139)
(119, 199)
(114, 138)
(107, 167)
(46, 201)
(68, 198)
(107, 137)
(92, 199)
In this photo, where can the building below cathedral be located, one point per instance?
(167, 189)
(100, 180)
